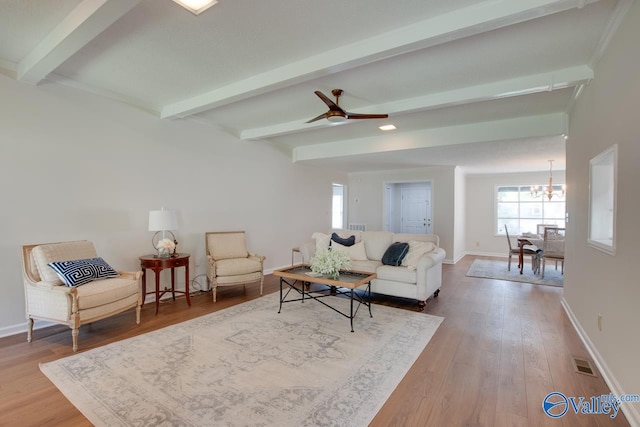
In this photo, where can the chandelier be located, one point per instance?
(537, 191)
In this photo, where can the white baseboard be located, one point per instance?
(22, 328)
(271, 270)
(629, 411)
(491, 254)
(39, 324)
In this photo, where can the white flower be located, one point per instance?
(328, 262)
(166, 244)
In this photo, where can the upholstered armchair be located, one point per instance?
(229, 263)
(81, 292)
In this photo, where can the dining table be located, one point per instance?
(528, 240)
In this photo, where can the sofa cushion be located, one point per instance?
(227, 245)
(355, 252)
(349, 241)
(96, 294)
(397, 274)
(236, 266)
(82, 271)
(376, 243)
(416, 250)
(345, 234)
(322, 241)
(365, 266)
(395, 253)
(65, 251)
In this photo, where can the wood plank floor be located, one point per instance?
(502, 347)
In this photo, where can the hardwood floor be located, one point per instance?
(502, 347)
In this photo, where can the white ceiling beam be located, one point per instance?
(535, 83)
(521, 127)
(615, 20)
(475, 19)
(83, 24)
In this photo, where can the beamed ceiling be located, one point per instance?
(481, 84)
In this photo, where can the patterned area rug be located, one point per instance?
(490, 269)
(249, 365)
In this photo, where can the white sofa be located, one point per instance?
(419, 282)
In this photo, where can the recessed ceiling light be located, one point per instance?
(196, 6)
(387, 127)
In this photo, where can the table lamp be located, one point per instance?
(164, 241)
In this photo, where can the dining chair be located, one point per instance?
(540, 228)
(553, 247)
(525, 251)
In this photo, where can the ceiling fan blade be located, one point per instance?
(321, 116)
(366, 116)
(332, 105)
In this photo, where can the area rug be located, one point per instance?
(247, 365)
(490, 269)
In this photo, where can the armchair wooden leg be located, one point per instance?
(261, 284)
(138, 310)
(29, 329)
(215, 287)
(74, 338)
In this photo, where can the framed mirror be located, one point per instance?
(602, 200)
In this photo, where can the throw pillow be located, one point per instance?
(349, 241)
(395, 253)
(416, 250)
(355, 252)
(81, 271)
(322, 241)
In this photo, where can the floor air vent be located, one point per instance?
(583, 366)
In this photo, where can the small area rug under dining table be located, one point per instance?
(492, 269)
(247, 365)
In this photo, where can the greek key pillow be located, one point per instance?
(82, 271)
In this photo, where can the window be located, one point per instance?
(337, 210)
(522, 212)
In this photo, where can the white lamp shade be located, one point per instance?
(162, 220)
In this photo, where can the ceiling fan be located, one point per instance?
(336, 114)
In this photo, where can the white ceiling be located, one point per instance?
(482, 84)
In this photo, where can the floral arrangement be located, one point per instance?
(330, 262)
(166, 246)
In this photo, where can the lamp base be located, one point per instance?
(163, 252)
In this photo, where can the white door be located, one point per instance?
(416, 210)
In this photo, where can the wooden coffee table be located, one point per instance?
(351, 280)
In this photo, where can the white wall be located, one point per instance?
(607, 112)
(78, 166)
(480, 208)
(459, 213)
(368, 189)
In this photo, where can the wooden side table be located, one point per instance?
(157, 265)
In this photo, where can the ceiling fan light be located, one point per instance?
(337, 119)
(387, 127)
(196, 6)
